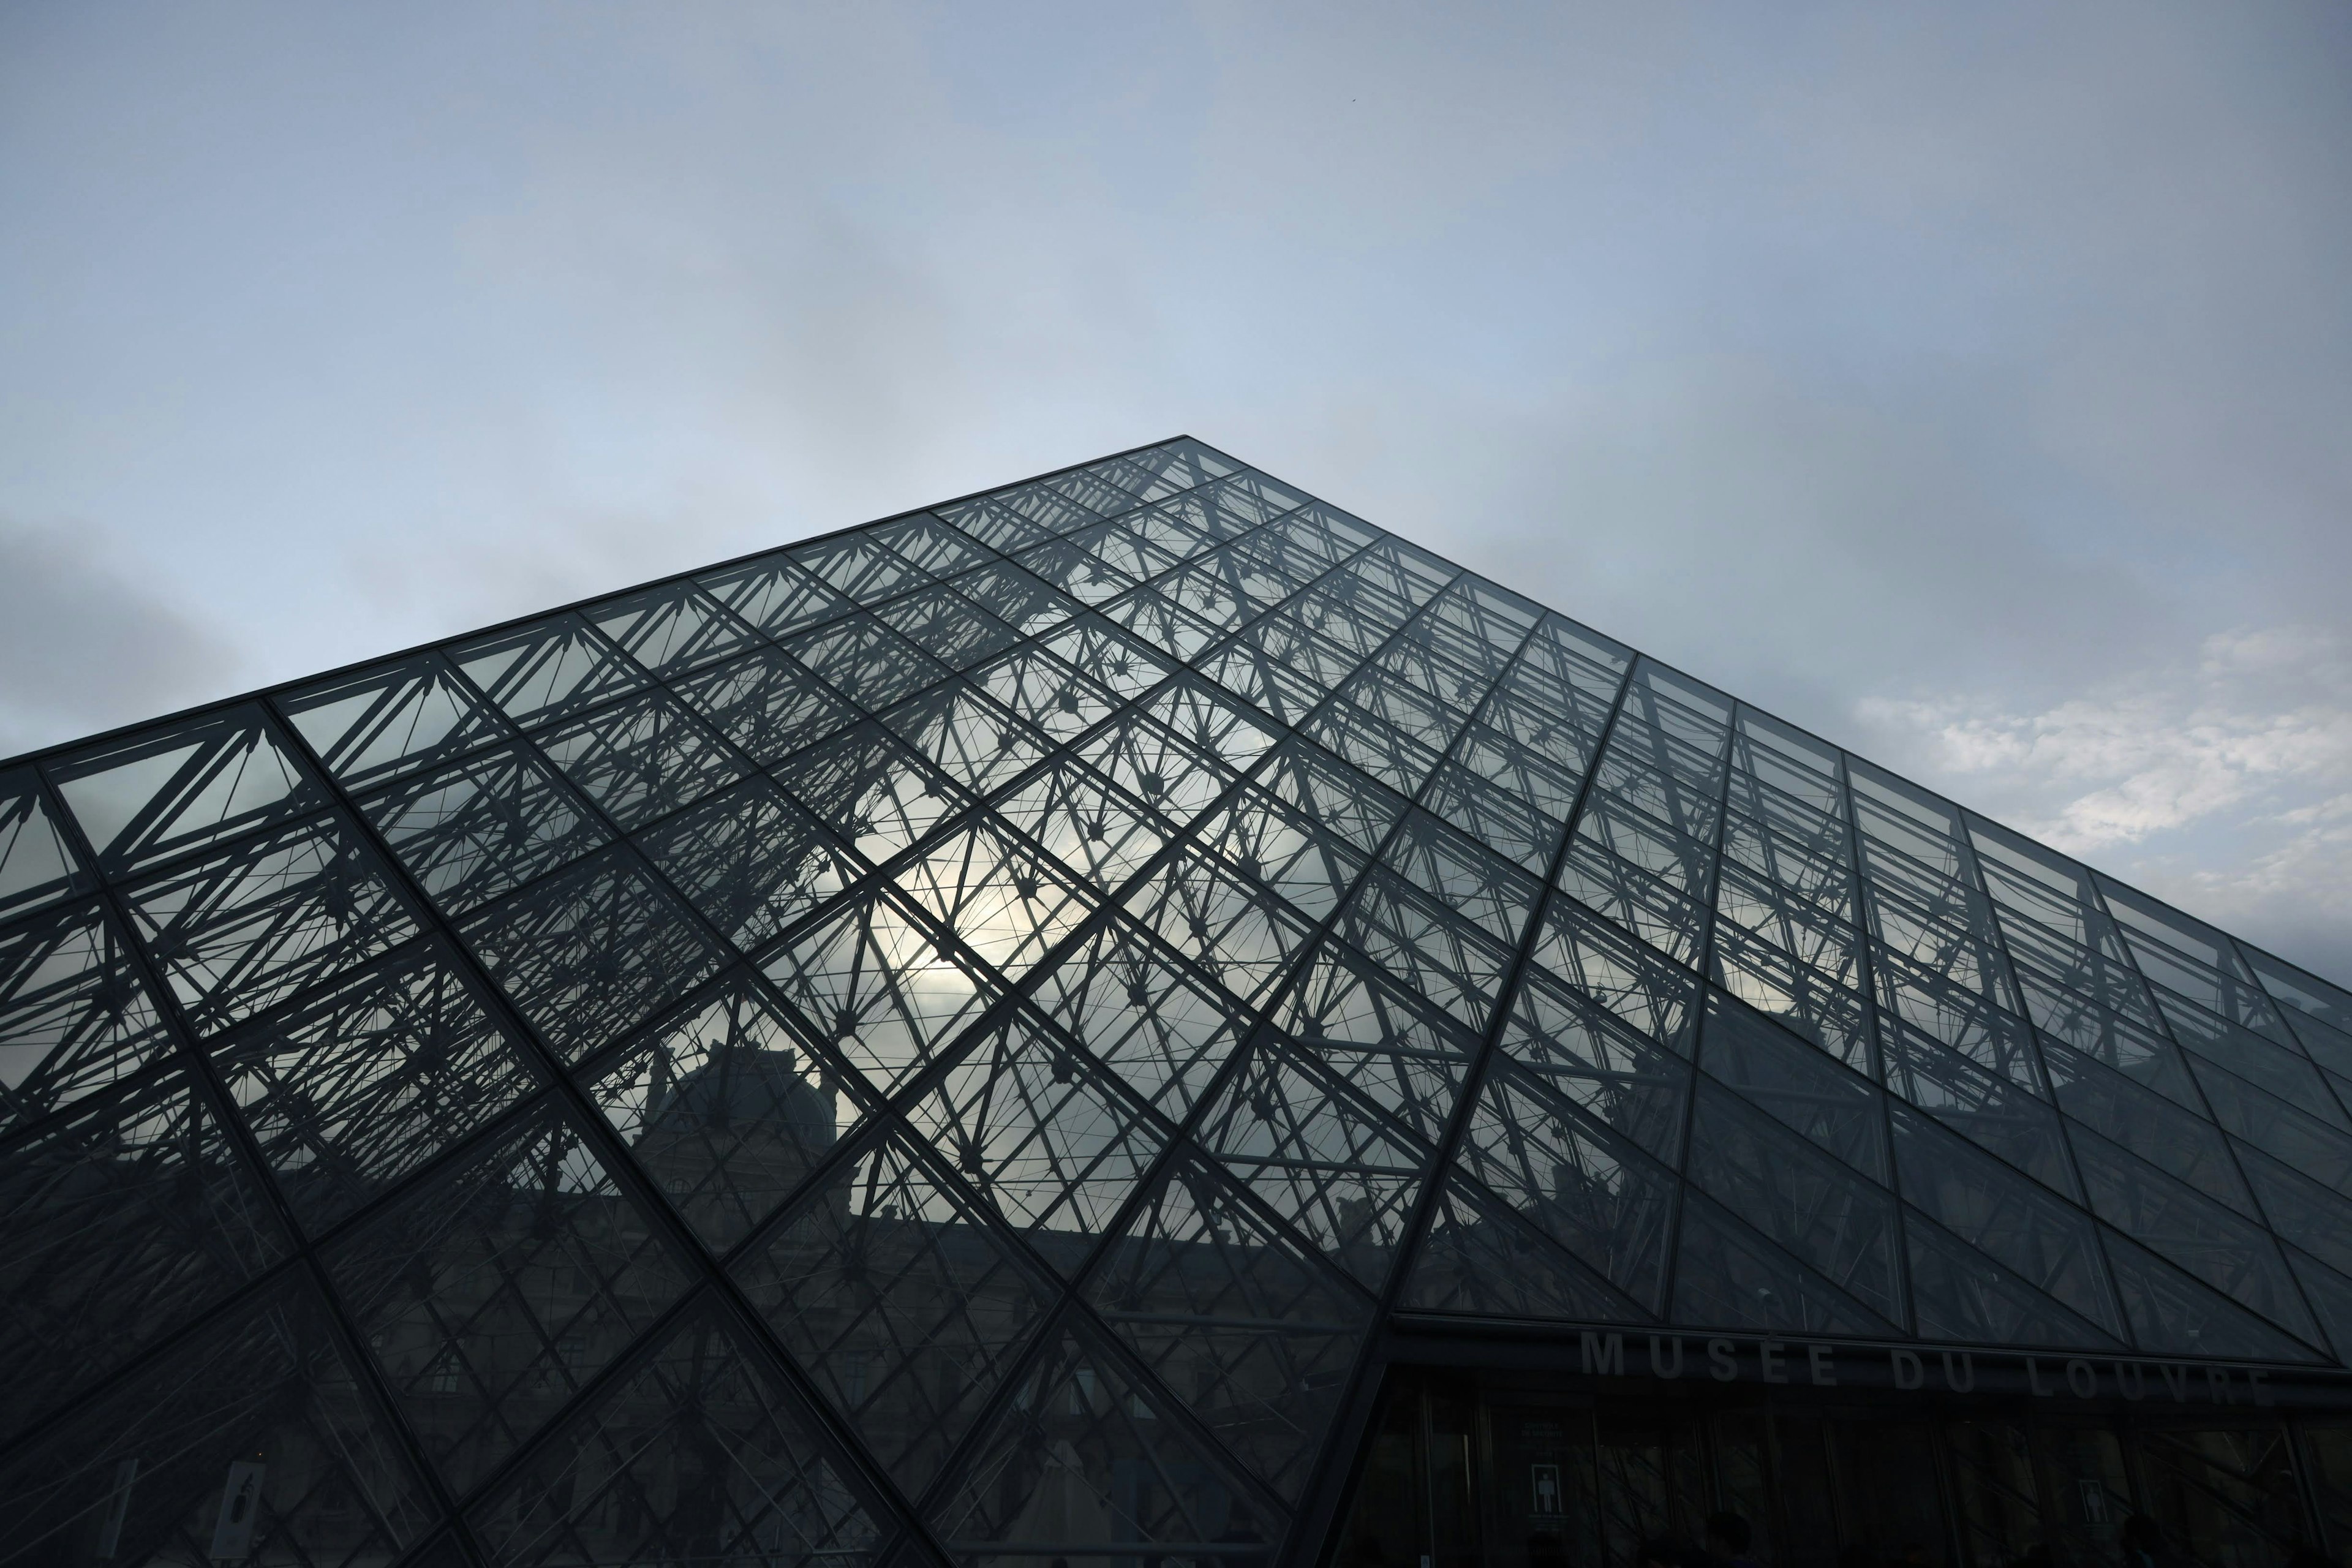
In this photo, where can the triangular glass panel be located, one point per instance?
(1252, 1334)
(1957, 1293)
(751, 861)
(1837, 1111)
(1481, 1259)
(351, 1088)
(1241, 936)
(1093, 829)
(490, 1294)
(876, 985)
(120, 1221)
(483, 827)
(1579, 949)
(775, 595)
(1726, 1276)
(1589, 1055)
(1163, 1033)
(1605, 1203)
(725, 1111)
(767, 704)
(899, 1300)
(1335, 1169)
(995, 896)
(2148, 1123)
(2173, 1314)
(2301, 1211)
(544, 672)
(392, 720)
(1084, 1462)
(159, 795)
(640, 758)
(1993, 1112)
(239, 932)
(1817, 1208)
(1027, 1120)
(2189, 1228)
(1405, 1057)
(75, 1015)
(36, 867)
(253, 1441)
(2048, 1244)
(672, 629)
(694, 1455)
(588, 953)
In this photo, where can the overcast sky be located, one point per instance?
(1971, 385)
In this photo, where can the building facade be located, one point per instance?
(1131, 1019)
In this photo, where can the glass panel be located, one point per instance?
(695, 1456)
(239, 932)
(945, 625)
(1817, 1208)
(640, 758)
(775, 595)
(351, 1091)
(1238, 1322)
(1242, 937)
(2172, 1313)
(547, 670)
(670, 629)
(1607, 1204)
(37, 866)
(751, 861)
(1328, 1164)
(586, 954)
(1083, 823)
(1589, 1056)
(1161, 1033)
(167, 792)
(1729, 1276)
(900, 1301)
(1403, 1055)
(1026, 1123)
(874, 983)
(972, 740)
(483, 827)
(2051, 1245)
(1802, 1088)
(119, 1222)
(1001, 900)
(1083, 1463)
(493, 1294)
(725, 1111)
(767, 705)
(866, 661)
(389, 722)
(1481, 1259)
(251, 1442)
(873, 791)
(75, 1017)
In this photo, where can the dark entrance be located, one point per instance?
(1504, 1470)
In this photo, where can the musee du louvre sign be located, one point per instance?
(1784, 1362)
(996, 1035)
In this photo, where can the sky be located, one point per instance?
(1969, 384)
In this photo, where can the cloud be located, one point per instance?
(86, 644)
(2223, 783)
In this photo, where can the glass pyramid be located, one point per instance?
(950, 1041)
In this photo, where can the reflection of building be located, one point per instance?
(1130, 1019)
